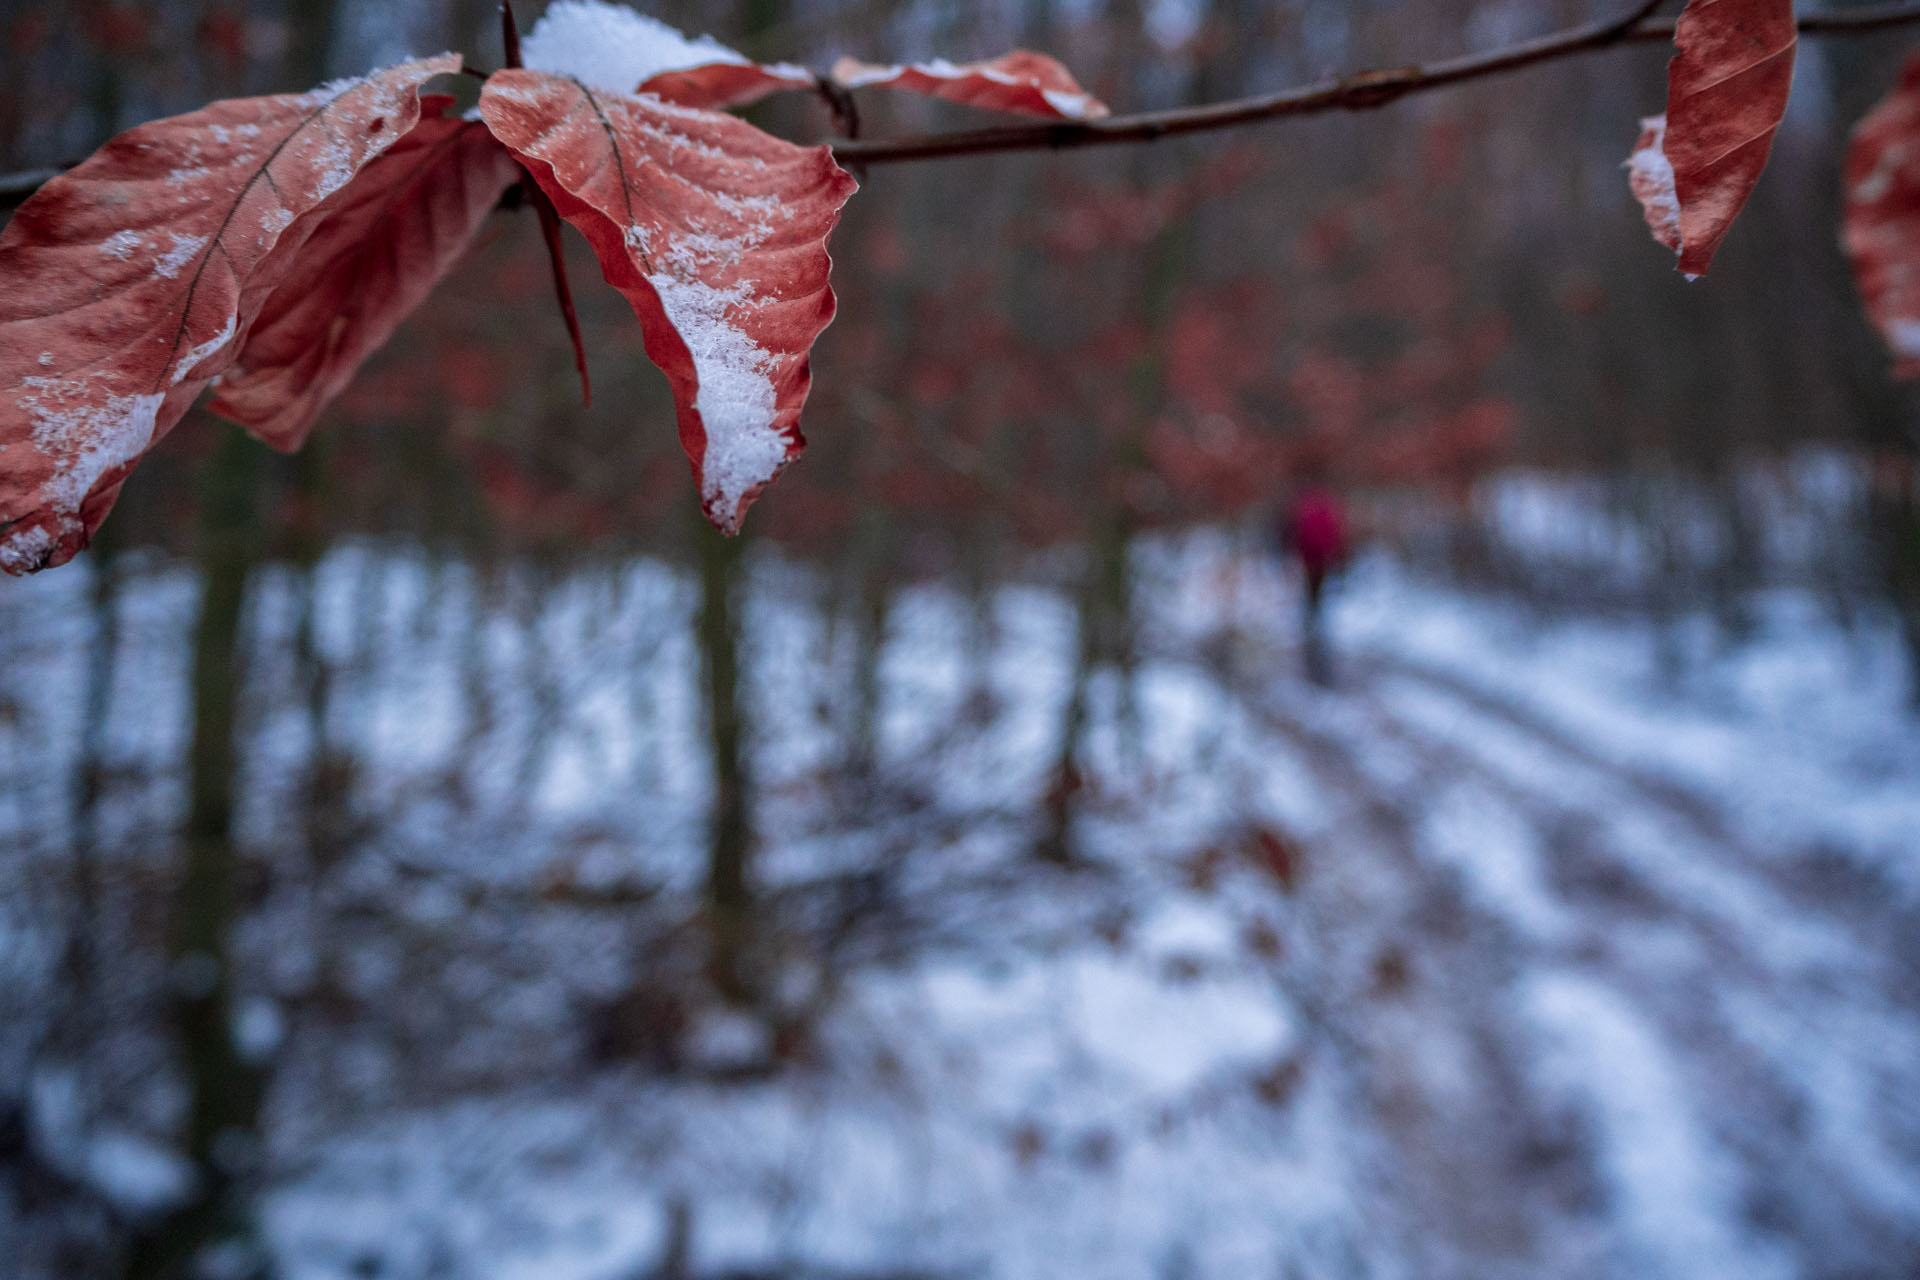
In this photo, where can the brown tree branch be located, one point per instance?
(1362, 91)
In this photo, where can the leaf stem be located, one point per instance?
(557, 259)
(509, 35)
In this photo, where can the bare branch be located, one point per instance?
(1362, 91)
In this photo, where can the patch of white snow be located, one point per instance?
(85, 433)
(182, 252)
(200, 354)
(121, 245)
(1651, 175)
(612, 47)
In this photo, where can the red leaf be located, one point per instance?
(727, 84)
(131, 277)
(1880, 227)
(387, 239)
(611, 47)
(1028, 83)
(717, 235)
(1727, 92)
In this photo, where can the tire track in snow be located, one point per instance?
(1413, 972)
(1786, 1126)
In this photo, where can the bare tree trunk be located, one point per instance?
(1101, 617)
(1895, 515)
(872, 601)
(729, 840)
(82, 954)
(330, 771)
(223, 1088)
(758, 18)
(310, 34)
(1105, 602)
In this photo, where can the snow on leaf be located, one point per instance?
(1880, 227)
(1023, 82)
(611, 47)
(132, 280)
(386, 240)
(716, 233)
(1727, 90)
(1651, 178)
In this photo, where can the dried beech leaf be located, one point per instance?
(386, 240)
(716, 233)
(1023, 82)
(725, 84)
(1880, 227)
(612, 47)
(133, 280)
(1727, 90)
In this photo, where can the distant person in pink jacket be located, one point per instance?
(1314, 531)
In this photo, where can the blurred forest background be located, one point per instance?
(439, 854)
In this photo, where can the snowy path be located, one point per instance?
(1507, 957)
(1621, 1035)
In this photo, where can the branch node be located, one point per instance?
(1368, 90)
(839, 100)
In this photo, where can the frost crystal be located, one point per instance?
(86, 436)
(327, 92)
(1650, 174)
(183, 250)
(121, 244)
(612, 47)
(194, 358)
(25, 549)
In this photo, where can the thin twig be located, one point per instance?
(509, 34)
(549, 218)
(1363, 91)
(562, 291)
(840, 101)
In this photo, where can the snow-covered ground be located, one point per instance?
(1517, 952)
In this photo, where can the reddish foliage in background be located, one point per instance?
(223, 33)
(29, 33)
(302, 230)
(273, 251)
(119, 29)
(1881, 225)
